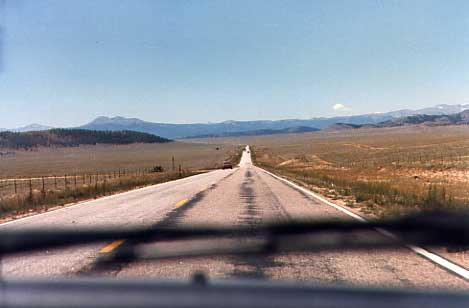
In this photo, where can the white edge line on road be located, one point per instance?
(448, 265)
(83, 203)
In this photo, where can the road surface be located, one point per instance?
(246, 195)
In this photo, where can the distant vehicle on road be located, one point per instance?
(227, 165)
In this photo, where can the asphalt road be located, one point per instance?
(246, 195)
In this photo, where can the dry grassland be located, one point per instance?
(109, 158)
(383, 171)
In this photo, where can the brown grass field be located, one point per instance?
(109, 158)
(380, 171)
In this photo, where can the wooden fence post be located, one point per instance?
(30, 189)
(96, 187)
(16, 188)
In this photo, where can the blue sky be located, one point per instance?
(66, 62)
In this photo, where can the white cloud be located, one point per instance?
(341, 107)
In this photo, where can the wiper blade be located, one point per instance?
(433, 229)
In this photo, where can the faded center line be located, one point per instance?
(111, 246)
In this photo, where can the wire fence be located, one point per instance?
(29, 186)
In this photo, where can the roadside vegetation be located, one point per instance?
(381, 172)
(43, 199)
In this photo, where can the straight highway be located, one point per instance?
(244, 196)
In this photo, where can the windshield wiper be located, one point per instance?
(429, 229)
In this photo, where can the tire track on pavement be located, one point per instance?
(252, 266)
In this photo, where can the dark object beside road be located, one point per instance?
(227, 165)
(157, 169)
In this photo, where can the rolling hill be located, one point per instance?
(73, 137)
(290, 130)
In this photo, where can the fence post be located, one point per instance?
(16, 189)
(75, 181)
(96, 187)
(173, 164)
(65, 179)
(31, 189)
(180, 171)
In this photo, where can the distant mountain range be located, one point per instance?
(461, 118)
(179, 131)
(235, 128)
(290, 130)
(27, 128)
(435, 110)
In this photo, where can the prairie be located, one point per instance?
(381, 171)
(109, 158)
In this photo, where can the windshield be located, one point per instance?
(179, 115)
